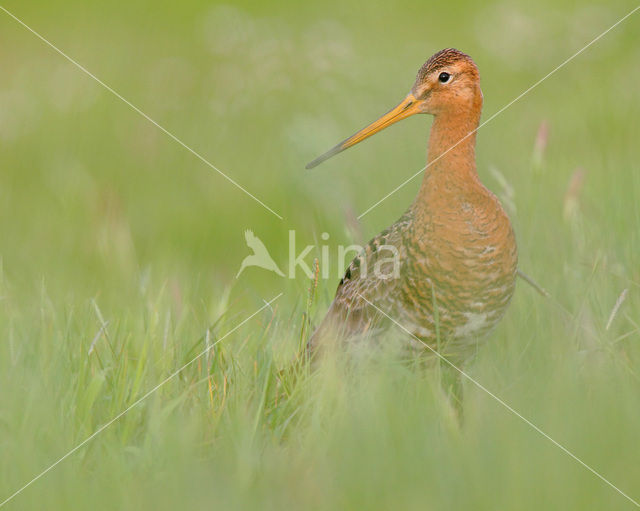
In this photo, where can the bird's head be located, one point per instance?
(448, 82)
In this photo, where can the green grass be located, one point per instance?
(118, 252)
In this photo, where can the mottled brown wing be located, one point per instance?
(375, 275)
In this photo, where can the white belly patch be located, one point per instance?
(476, 322)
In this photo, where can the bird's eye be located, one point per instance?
(444, 77)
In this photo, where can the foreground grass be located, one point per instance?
(118, 255)
(235, 431)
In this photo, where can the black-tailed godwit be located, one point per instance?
(457, 256)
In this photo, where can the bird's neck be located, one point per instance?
(451, 159)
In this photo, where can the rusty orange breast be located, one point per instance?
(462, 265)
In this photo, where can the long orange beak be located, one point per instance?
(408, 107)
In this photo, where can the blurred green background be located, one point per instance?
(119, 250)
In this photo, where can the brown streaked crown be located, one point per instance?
(441, 59)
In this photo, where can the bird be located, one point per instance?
(260, 256)
(456, 254)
